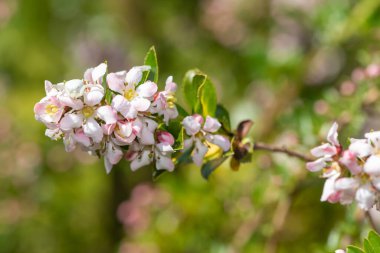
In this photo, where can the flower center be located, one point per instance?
(51, 109)
(87, 111)
(130, 94)
(214, 151)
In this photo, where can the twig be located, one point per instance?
(263, 146)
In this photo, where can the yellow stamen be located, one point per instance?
(87, 111)
(130, 94)
(214, 151)
(171, 100)
(51, 109)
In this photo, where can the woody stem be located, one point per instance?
(282, 149)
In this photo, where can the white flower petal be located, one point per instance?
(365, 196)
(191, 125)
(360, 147)
(98, 72)
(199, 152)
(332, 135)
(107, 113)
(94, 96)
(134, 75)
(324, 150)
(372, 165)
(74, 88)
(140, 104)
(317, 165)
(143, 159)
(222, 141)
(329, 187)
(71, 121)
(211, 125)
(93, 130)
(115, 82)
(147, 89)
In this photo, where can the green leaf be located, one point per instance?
(151, 60)
(157, 173)
(184, 157)
(224, 117)
(181, 111)
(208, 98)
(108, 96)
(192, 81)
(211, 166)
(353, 249)
(178, 145)
(374, 240)
(367, 247)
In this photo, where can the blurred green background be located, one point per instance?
(289, 65)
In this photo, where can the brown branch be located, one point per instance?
(267, 147)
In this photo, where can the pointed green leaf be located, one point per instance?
(108, 96)
(367, 247)
(184, 157)
(192, 81)
(208, 98)
(353, 249)
(224, 117)
(374, 240)
(211, 166)
(157, 173)
(151, 60)
(178, 145)
(181, 111)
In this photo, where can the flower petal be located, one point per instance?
(372, 165)
(98, 72)
(199, 152)
(134, 75)
(324, 150)
(93, 130)
(365, 197)
(74, 88)
(332, 135)
(360, 147)
(317, 165)
(107, 113)
(329, 187)
(115, 82)
(94, 96)
(143, 159)
(191, 125)
(71, 121)
(140, 104)
(219, 140)
(147, 89)
(211, 125)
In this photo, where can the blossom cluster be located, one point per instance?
(121, 115)
(351, 174)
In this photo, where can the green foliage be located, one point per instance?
(224, 117)
(151, 60)
(211, 166)
(371, 244)
(353, 249)
(199, 93)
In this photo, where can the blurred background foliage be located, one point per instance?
(292, 66)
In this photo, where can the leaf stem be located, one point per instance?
(283, 149)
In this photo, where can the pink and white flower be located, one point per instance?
(164, 101)
(326, 151)
(199, 136)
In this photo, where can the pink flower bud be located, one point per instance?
(165, 137)
(198, 118)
